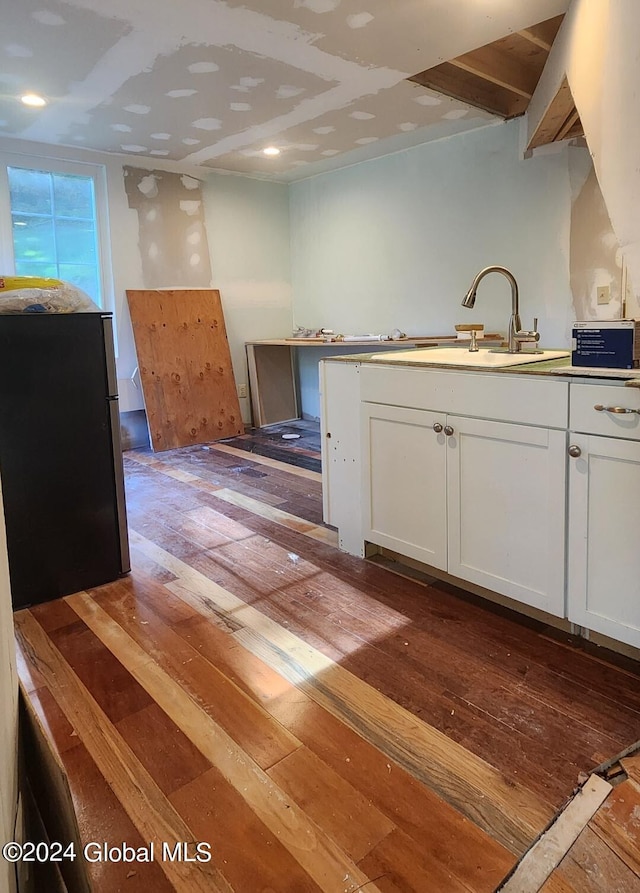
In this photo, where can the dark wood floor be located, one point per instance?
(296, 443)
(322, 722)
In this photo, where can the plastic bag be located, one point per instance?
(32, 294)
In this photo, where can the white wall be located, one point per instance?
(396, 241)
(247, 224)
(9, 713)
(597, 49)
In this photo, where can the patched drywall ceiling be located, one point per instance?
(213, 83)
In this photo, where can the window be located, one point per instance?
(56, 209)
(54, 227)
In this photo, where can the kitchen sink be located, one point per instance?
(459, 356)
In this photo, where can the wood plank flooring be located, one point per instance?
(298, 442)
(592, 847)
(320, 722)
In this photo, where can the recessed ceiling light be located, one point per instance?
(271, 150)
(33, 99)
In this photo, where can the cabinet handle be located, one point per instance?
(575, 451)
(437, 427)
(619, 410)
(448, 430)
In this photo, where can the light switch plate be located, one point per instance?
(603, 293)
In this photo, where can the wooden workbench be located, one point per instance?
(273, 369)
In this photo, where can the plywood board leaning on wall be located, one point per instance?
(185, 366)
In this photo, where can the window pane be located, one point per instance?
(76, 242)
(33, 239)
(55, 228)
(30, 190)
(85, 277)
(73, 196)
(28, 268)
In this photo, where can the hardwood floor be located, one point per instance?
(593, 846)
(320, 722)
(297, 442)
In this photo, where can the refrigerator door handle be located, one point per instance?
(118, 475)
(112, 375)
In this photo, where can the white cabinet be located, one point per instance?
(489, 494)
(506, 509)
(482, 499)
(404, 482)
(604, 511)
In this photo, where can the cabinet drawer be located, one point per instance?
(502, 397)
(585, 418)
(412, 388)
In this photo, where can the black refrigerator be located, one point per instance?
(60, 454)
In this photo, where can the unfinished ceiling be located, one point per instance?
(213, 83)
(501, 77)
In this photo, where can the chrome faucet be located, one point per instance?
(517, 336)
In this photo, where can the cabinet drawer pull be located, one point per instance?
(448, 430)
(437, 427)
(619, 410)
(575, 451)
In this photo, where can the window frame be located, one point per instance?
(97, 173)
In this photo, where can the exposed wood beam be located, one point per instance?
(543, 34)
(461, 85)
(568, 125)
(498, 68)
(576, 131)
(555, 118)
(501, 77)
(528, 34)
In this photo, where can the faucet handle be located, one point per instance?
(525, 337)
(535, 332)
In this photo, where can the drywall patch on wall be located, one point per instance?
(171, 225)
(190, 182)
(319, 6)
(359, 20)
(45, 17)
(595, 257)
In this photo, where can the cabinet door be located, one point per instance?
(506, 509)
(404, 482)
(604, 537)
